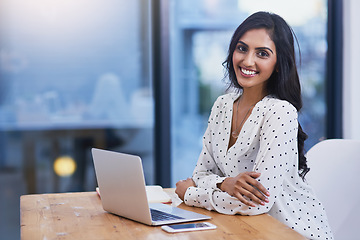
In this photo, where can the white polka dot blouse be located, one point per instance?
(267, 144)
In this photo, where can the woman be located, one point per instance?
(252, 161)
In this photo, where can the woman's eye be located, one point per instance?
(263, 54)
(241, 48)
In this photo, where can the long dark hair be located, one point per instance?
(284, 82)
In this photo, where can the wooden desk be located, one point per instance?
(81, 216)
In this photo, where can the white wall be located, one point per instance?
(351, 69)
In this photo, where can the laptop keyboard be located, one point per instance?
(157, 215)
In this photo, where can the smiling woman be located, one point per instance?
(262, 169)
(199, 40)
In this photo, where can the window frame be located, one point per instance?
(334, 70)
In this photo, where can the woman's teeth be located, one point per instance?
(247, 72)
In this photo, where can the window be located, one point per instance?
(74, 74)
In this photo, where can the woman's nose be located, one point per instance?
(249, 60)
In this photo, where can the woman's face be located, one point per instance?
(254, 59)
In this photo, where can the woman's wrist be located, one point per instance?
(182, 186)
(221, 184)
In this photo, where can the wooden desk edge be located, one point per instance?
(31, 208)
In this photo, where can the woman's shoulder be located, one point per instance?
(272, 103)
(226, 98)
(225, 101)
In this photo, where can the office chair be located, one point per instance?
(334, 175)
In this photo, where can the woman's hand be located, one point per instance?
(182, 186)
(245, 184)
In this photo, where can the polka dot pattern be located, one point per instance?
(267, 144)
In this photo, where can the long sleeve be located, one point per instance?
(267, 144)
(269, 150)
(207, 173)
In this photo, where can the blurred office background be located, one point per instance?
(140, 77)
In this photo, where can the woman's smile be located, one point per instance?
(247, 72)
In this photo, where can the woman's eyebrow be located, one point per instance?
(263, 48)
(259, 48)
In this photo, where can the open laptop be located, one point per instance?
(121, 182)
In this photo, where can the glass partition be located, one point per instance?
(74, 74)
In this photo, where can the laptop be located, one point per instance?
(121, 182)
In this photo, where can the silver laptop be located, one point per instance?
(121, 182)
